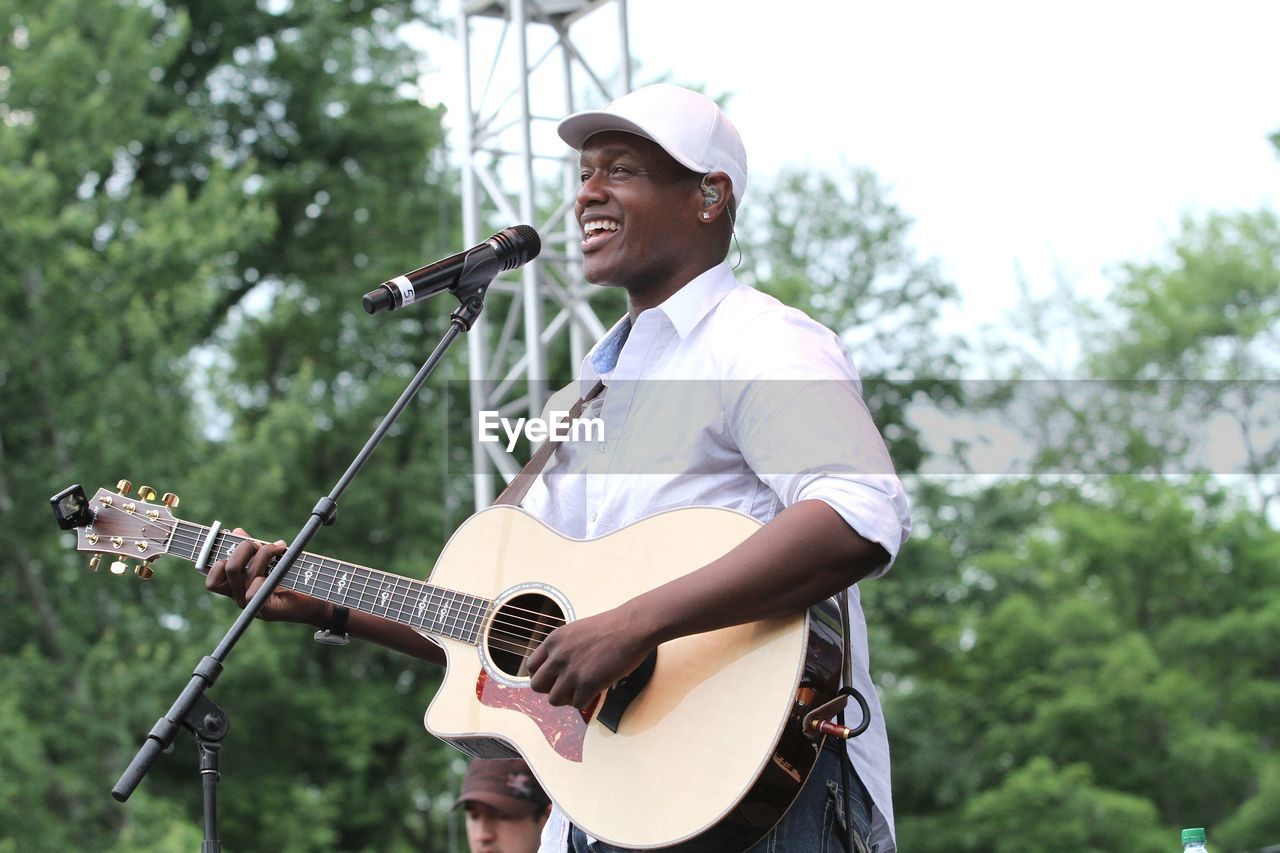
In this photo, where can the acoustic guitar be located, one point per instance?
(704, 748)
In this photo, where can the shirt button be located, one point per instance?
(604, 448)
(592, 516)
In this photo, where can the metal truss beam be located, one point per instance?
(514, 171)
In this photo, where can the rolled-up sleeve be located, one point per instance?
(795, 409)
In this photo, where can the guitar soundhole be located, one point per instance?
(518, 627)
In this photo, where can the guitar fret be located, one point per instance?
(317, 580)
(456, 612)
(229, 543)
(382, 597)
(462, 615)
(321, 580)
(473, 614)
(421, 608)
(304, 579)
(483, 608)
(404, 605)
(367, 593)
(186, 531)
(341, 585)
(437, 609)
(359, 585)
(334, 587)
(400, 603)
(332, 576)
(469, 620)
(440, 610)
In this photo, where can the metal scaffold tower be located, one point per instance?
(517, 169)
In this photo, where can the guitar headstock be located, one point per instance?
(118, 524)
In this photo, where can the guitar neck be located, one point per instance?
(422, 606)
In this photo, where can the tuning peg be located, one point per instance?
(94, 562)
(146, 493)
(123, 487)
(170, 500)
(119, 567)
(144, 571)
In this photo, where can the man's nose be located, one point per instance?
(591, 191)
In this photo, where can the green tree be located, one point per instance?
(1176, 369)
(209, 182)
(1086, 662)
(1092, 662)
(92, 367)
(1041, 807)
(1210, 313)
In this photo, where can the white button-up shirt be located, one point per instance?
(723, 396)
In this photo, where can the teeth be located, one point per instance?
(600, 225)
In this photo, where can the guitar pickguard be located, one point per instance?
(564, 727)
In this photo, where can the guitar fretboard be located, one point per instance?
(418, 604)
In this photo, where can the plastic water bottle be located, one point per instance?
(1193, 840)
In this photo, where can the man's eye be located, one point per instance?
(614, 171)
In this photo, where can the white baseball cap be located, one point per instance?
(687, 124)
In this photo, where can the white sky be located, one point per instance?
(1063, 137)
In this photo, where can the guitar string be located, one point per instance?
(509, 612)
(526, 639)
(535, 617)
(524, 642)
(232, 540)
(471, 616)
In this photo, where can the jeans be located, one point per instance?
(816, 821)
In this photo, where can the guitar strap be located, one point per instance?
(520, 484)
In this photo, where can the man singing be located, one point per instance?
(771, 423)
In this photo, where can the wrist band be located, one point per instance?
(336, 633)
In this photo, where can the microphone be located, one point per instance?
(509, 248)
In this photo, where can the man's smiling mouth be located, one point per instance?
(597, 228)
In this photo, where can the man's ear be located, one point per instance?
(717, 196)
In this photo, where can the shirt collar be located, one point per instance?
(687, 306)
(684, 309)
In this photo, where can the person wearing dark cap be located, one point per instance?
(506, 807)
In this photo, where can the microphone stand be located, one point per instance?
(195, 711)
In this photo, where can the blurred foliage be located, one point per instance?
(1176, 370)
(1085, 658)
(1082, 667)
(194, 193)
